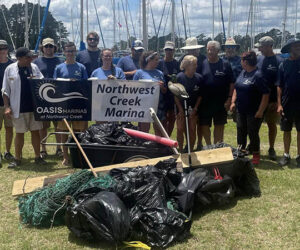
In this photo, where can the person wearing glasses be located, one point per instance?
(169, 66)
(148, 63)
(108, 70)
(4, 62)
(70, 69)
(18, 103)
(130, 64)
(46, 65)
(90, 57)
(250, 99)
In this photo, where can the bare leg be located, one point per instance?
(170, 122)
(180, 132)
(272, 133)
(19, 143)
(43, 134)
(35, 141)
(298, 142)
(65, 150)
(192, 131)
(199, 133)
(218, 133)
(206, 134)
(287, 141)
(8, 138)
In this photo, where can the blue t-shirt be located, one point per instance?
(71, 71)
(90, 59)
(26, 102)
(250, 86)
(127, 63)
(154, 75)
(168, 68)
(103, 74)
(193, 86)
(47, 65)
(217, 78)
(269, 67)
(236, 65)
(289, 82)
(2, 69)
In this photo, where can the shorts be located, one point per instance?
(289, 118)
(76, 125)
(26, 122)
(218, 117)
(46, 124)
(271, 116)
(3, 117)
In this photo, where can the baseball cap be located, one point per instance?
(169, 45)
(287, 47)
(137, 45)
(22, 51)
(264, 41)
(48, 41)
(3, 43)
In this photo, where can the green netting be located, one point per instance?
(48, 203)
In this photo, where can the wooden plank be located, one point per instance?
(200, 158)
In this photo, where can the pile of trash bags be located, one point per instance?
(154, 204)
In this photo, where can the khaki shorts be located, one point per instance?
(271, 115)
(3, 117)
(46, 124)
(26, 122)
(76, 125)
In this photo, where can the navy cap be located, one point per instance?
(22, 51)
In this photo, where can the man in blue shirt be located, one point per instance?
(4, 62)
(130, 64)
(47, 64)
(70, 69)
(288, 93)
(90, 57)
(268, 64)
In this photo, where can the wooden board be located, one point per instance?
(200, 158)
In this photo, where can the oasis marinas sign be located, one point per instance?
(99, 100)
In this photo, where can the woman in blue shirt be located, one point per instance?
(250, 98)
(108, 70)
(148, 63)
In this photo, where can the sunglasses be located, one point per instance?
(49, 46)
(93, 39)
(5, 48)
(168, 49)
(70, 51)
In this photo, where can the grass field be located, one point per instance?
(271, 221)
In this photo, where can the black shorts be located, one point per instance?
(219, 117)
(289, 118)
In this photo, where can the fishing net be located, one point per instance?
(46, 207)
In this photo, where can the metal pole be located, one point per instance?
(87, 17)
(81, 20)
(183, 20)
(114, 14)
(284, 24)
(213, 20)
(173, 22)
(72, 25)
(229, 21)
(296, 21)
(252, 22)
(145, 31)
(26, 24)
(39, 14)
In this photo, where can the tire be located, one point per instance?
(136, 158)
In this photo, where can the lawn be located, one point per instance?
(270, 221)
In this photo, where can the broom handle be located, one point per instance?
(80, 148)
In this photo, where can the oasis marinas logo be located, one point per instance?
(47, 92)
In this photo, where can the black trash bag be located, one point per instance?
(101, 216)
(145, 191)
(200, 183)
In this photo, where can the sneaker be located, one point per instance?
(14, 163)
(285, 160)
(272, 154)
(40, 161)
(43, 154)
(256, 159)
(8, 156)
(298, 161)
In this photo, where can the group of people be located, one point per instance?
(252, 87)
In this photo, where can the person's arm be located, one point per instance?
(7, 108)
(84, 73)
(6, 93)
(279, 104)
(233, 100)
(263, 104)
(229, 101)
(130, 73)
(195, 109)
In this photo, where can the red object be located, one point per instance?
(150, 137)
(217, 174)
(120, 25)
(256, 159)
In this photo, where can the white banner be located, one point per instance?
(120, 100)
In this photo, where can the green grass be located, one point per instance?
(270, 221)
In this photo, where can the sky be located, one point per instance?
(267, 14)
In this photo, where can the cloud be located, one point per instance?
(268, 14)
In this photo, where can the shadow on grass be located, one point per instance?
(29, 165)
(266, 164)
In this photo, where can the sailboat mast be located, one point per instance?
(114, 16)
(87, 16)
(213, 19)
(173, 22)
(284, 24)
(72, 26)
(81, 20)
(229, 21)
(39, 14)
(145, 32)
(183, 20)
(296, 19)
(252, 24)
(26, 24)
